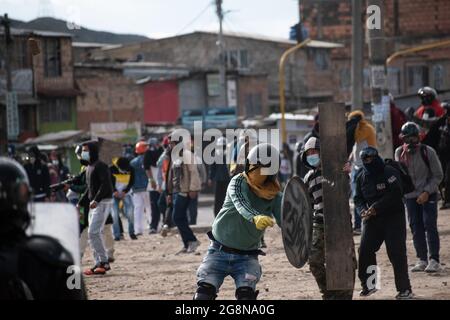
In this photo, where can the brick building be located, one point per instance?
(308, 72)
(44, 83)
(107, 96)
(159, 94)
(408, 23)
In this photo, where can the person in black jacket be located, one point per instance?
(99, 194)
(151, 157)
(38, 175)
(443, 151)
(378, 197)
(31, 268)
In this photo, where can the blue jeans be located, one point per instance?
(356, 214)
(154, 198)
(217, 265)
(128, 212)
(423, 224)
(193, 211)
(180, 218)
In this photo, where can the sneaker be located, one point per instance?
(133, 237)
(106, 265)
(357, 231)
(183, 250)
(433, 266)
(165, 230)
(153, 231)
(404, 295)
(192, 246)
(420, 266)
(445, 205)
(116, 239)
(367, 292)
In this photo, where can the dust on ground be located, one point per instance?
(148, 268)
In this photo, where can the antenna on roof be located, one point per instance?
(45, 9)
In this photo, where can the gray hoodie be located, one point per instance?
(424, 179)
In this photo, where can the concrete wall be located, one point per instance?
(192, 94)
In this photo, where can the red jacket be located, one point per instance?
(435, 105)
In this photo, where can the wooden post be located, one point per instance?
(339, 247)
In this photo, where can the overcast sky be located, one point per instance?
(160, 18)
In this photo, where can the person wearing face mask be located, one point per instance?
(378, 196)
(99, 194)
(360, 134)
(123, 180)
(428, 97)
(426, 173)
(58, 173)
(38, 175)
(252, 201)
(313, 180)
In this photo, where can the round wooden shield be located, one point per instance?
(296, 222)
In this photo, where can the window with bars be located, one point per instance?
(56, 110)
(253, 104)
(393, 80)
(344, 78)
(52, 57)
(438, 76)
(417, 77)
(237, 59)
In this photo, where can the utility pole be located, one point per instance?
(12, 114)
(222, 60)
(379, 93)
(357, 56)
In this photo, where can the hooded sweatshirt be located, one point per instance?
(98, 177)
(38, 175)
(424, 178)
(313, 179)
(364, 135)
(234, 226)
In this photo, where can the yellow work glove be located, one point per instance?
(262, 221)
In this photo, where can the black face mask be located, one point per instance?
(84, 162)
(375, 167)
(427, 100)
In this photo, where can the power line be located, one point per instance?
(195, 19)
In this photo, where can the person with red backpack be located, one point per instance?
(428, 97)
(426, 173)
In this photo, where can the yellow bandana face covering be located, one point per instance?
(260, 185)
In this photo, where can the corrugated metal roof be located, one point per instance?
(90, 45)
(40, 33)
(259, 37)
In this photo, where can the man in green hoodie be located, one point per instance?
(252, 202)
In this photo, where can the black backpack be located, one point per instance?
(407, 182)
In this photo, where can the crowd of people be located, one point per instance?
(154, 191)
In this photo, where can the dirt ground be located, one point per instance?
(149, 269)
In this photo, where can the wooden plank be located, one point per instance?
(339, 247)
